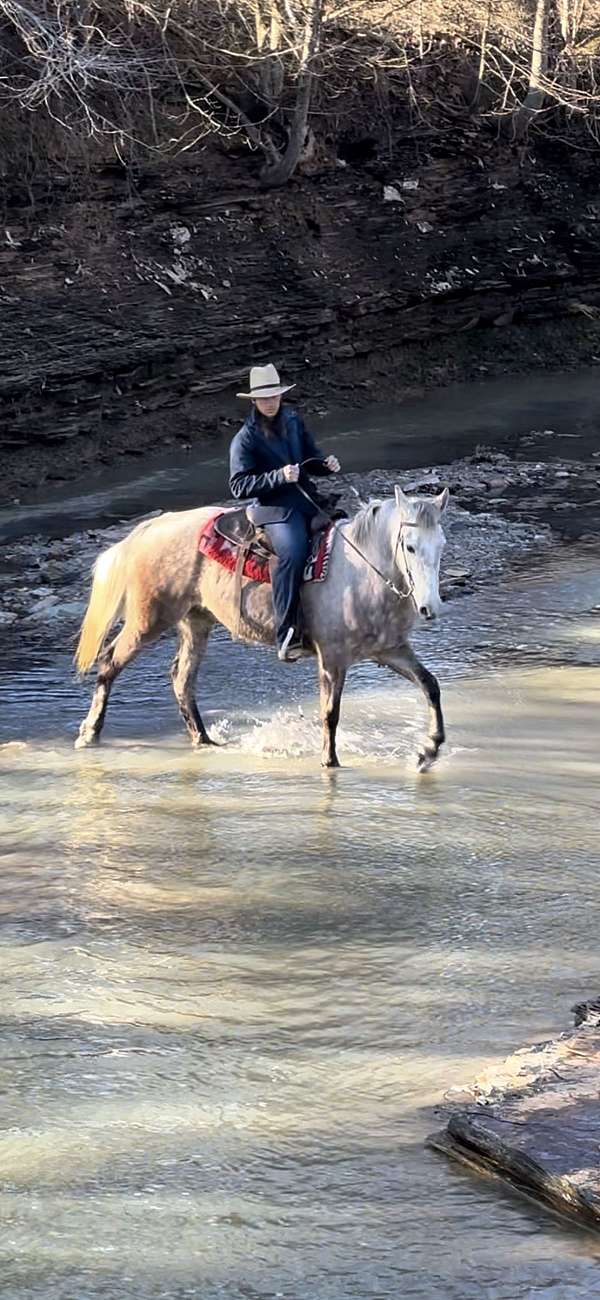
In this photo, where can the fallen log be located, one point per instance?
(534, 1122)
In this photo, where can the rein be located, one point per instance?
(400, 595)
(391, 586)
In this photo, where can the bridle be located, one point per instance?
(407, 575)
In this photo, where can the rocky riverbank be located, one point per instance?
(500, 508)
(498, 511)
(129, 317)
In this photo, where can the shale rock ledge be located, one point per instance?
(535, 1121)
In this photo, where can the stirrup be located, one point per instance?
(291, 648)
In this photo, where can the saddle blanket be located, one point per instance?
(215, 547)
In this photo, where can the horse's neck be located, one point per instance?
(382, 579)
(376, 543)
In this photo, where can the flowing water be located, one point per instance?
(234, 986)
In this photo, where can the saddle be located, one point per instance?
(231, 539)
(253, 550)
(235, 527)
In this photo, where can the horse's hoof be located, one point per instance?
(205, 742)
(425, 761)
(330, 763)
(84, 742)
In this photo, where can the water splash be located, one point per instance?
(287, 733)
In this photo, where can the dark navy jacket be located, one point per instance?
(256, 466)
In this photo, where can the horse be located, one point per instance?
(156, 579)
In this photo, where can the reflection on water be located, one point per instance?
(232, 985)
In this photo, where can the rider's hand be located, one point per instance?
(333, 464)
(291, 473)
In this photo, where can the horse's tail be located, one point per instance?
(106, 601)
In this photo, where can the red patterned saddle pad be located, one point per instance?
(218, 548)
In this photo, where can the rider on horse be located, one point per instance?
(266, 466)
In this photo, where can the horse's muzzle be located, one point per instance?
(427, 613)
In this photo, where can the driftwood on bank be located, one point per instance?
(535, 1121)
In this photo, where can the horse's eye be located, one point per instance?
(411, 550)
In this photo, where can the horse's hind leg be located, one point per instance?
(405, 663)
(194, 631)
(331, 682)
(111, 663)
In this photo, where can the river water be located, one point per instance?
(233, 987)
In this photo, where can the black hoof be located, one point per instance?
(426, 759)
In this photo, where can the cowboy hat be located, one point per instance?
(265, 382)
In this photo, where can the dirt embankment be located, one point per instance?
(128, 318)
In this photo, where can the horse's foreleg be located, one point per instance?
(111, 662)
(194, 631)
(406, 664)
(331, 682)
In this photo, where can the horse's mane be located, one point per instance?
(364, 520)
(364, 523)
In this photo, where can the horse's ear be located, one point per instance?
(442, 501)
(402, 501)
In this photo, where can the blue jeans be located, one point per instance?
(290, 541)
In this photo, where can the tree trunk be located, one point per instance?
(570, 14)
(485, 30)
(536, 93)
(534, 99)
(274, 68)
(285, 168)
(259, 26)
(269, 32)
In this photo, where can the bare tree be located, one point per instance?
(535, 98)
(570, 16)
(311, 39)
(482, 62)
(270, 22)
(170, 75)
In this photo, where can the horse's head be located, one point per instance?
(418, 542)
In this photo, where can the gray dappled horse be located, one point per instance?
(156, 579)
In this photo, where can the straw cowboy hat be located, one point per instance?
(265, 382)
